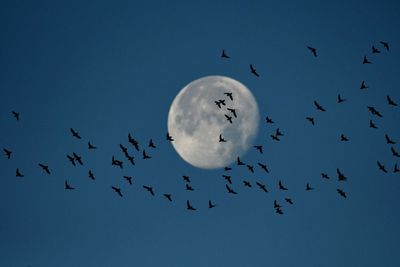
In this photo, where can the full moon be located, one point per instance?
(200, 113)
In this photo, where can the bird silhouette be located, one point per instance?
(220, 103)
(389, 140)
(90, 146)
(189, 188)
(268, 120)
(390, 101)
(363, 85)
(343, 138)
(239, 162)
(275, 138)
(227, 168)
(318, 106)
(381, 167)
(308, 187)
(45, 168)
(340, 99)
(168, 196)
(229, 94)
(230, 190)
(250, 168)
(277, 205)
(341, 176)
(254, 71)
(186, 178)
(247, 184)
(233, 111)
(224, 55)
(372, 124)
(375, 50)
(151, 144)
(149, 189)
(374, 111)
(77, 158)
(189, 206)
(278, 132)
(262, 187)
(394, 152)
(366, 61)
(16, 115)
(7, 153)
(91, 175)
(145, 156)
(311, 119)
(169, 137)
(75, 134)
(259, 148)
(325, 176)
(228, 118)
(313, 50)
(289, 200)
(227, 178)
(281, 187)
(279, 211)
(263, 166)
(18, 173)
(124, 149)
(396, 169)
(211, 205)
(131, 159)
(116, 162)
(385, 45)
(128, 178)
(341, 192)
(68, 187)
(133, 142)
(221, 139)
(117, 190)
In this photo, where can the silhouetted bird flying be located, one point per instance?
(133, 142)
(341, 192)
(259, 148)
(186, 178)
(311, 119)
(7, 153)
(116, 162)
(189, 188)
(220, 103)
(254, 71)
(16, 115)
(277, 205)
(372, 125)
(128, 178)
(149, 189)
(211, 205)
(281, 187)
(145, 156)
(168, 196)
(130, 159)
(247, 183)
(363, 85)
(375, 50)
(124, 149)
(326, 176)
(75, 133)
(230, 190)
(239, 162)
(263, 166)
(45, 168)
(77, 158)
(340, 99)
(233, 111)
(381, 167)
(289, 200)
(224, 55)
(227, 168)
(341, 176)
(366, 61)
(68, 187)
(313, 50)
(169, 138)
(91, 175)
(279, 211)
(228, 118)
(189, 206)
(389, 141)
(227, 178)
(318, 106)
(275, 138)
(343, 138)
(250, 168)
(385, 45)
(221, 139)
(374, 111)
(262, 187)
(268, 120)
(278, 132)
(229, 94)
(90, 146)
(18, 173)
(117, 190)
(396, 169)
(390, 101)
(308, 187)
(394, 152)
(151, 144)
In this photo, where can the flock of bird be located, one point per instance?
(230, 114)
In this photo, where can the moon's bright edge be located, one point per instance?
(195, 122)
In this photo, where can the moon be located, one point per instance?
(195, 122)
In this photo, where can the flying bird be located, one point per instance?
(151, 144)
(385, 45)
(239, 162)
(341, 176)
(340, 99)
(228, 118)
(263, 166)
(262, 187)
(275, 138)
(289, 200)
(268, 120)
(221, 139)
(220, 103)
(363, 85)
(366, 61)
(186, 178)
(326, 176)
(230, 190)
(16, 115)
(189, 206)
(145, 156)
(149, 189)
(254, 71)
(278, 132)
(374, 111)
(224, 55)
(313, 50)
(45, 168)
(128, 178)
(259, 148)
(381, 167)
(227, 169)
(279, 211)
(390, 101)
(318, 106)
(233, 111)
(169, 137)
(308, 187)
(91, 175)
(75, 134)
(281, 187)
(311, 119)
(90, 146)
(168, 196)
(229, 94)
(189, 188)
(276, 205)
(133, 142)
(394, 152)
(211, 205)
(18, 173)
(68, 187)
(389, 141)
(7, 153)
(77, 158)
(375, 50)
(372, 125)
(117, 190)
(396, 169)
(227, 178)
(130, 159)
(341, 192)
(247, 184)
(250, 168)
(343, 138)
(124, 149)
(116, 162)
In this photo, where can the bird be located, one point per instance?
(145, 156)
(168, 196)
(133, 142)
(281, 187)
(289, 200)
(268, 120)
(227, 168)
(381, 167)
(239, 162)
(211, 205)
(343, 138)
(263, 166)
(276, 205)
(278, 132)
(151, 144)
(313, 50)
(90, 146)
(116, 162)
(7, 153)
(366, 61)
(363, 85)
(247, 183)
(189, 206)
(186, 178)
(229, 94)
(230, 190)
(279, 211)
(224, 55)
(227, 178)
(189, 188)
(396, 169)
(318, 106)
(311, 119)
(389, 141)
(233, 111)
(275, 138)
(45, 168)
(262, 187)
(326, 176)
(221, 139)
(91, 175)
(228, 118)
(16, 115)
(117, 190)
(149, 189)
(250, 168)
(341, 192)
(68, 187)
(124, 149)
(130, 159)
(220, 103)
(259, 148)
(18, 173)
(75, 134)
(394, 152)
(375, 50)
(341, 176)
(385, 45)
(169, 137)
(372, 125)
(390, 101)
(254, 71)
(128, 178)
(77, 158)
(308, 187)
(374, 111)
(340, 99)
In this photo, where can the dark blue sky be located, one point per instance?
(107, 69)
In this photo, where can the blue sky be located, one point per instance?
(108, 69)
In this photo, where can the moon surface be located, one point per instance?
(195, 122)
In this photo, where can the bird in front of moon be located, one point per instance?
(196, 121)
